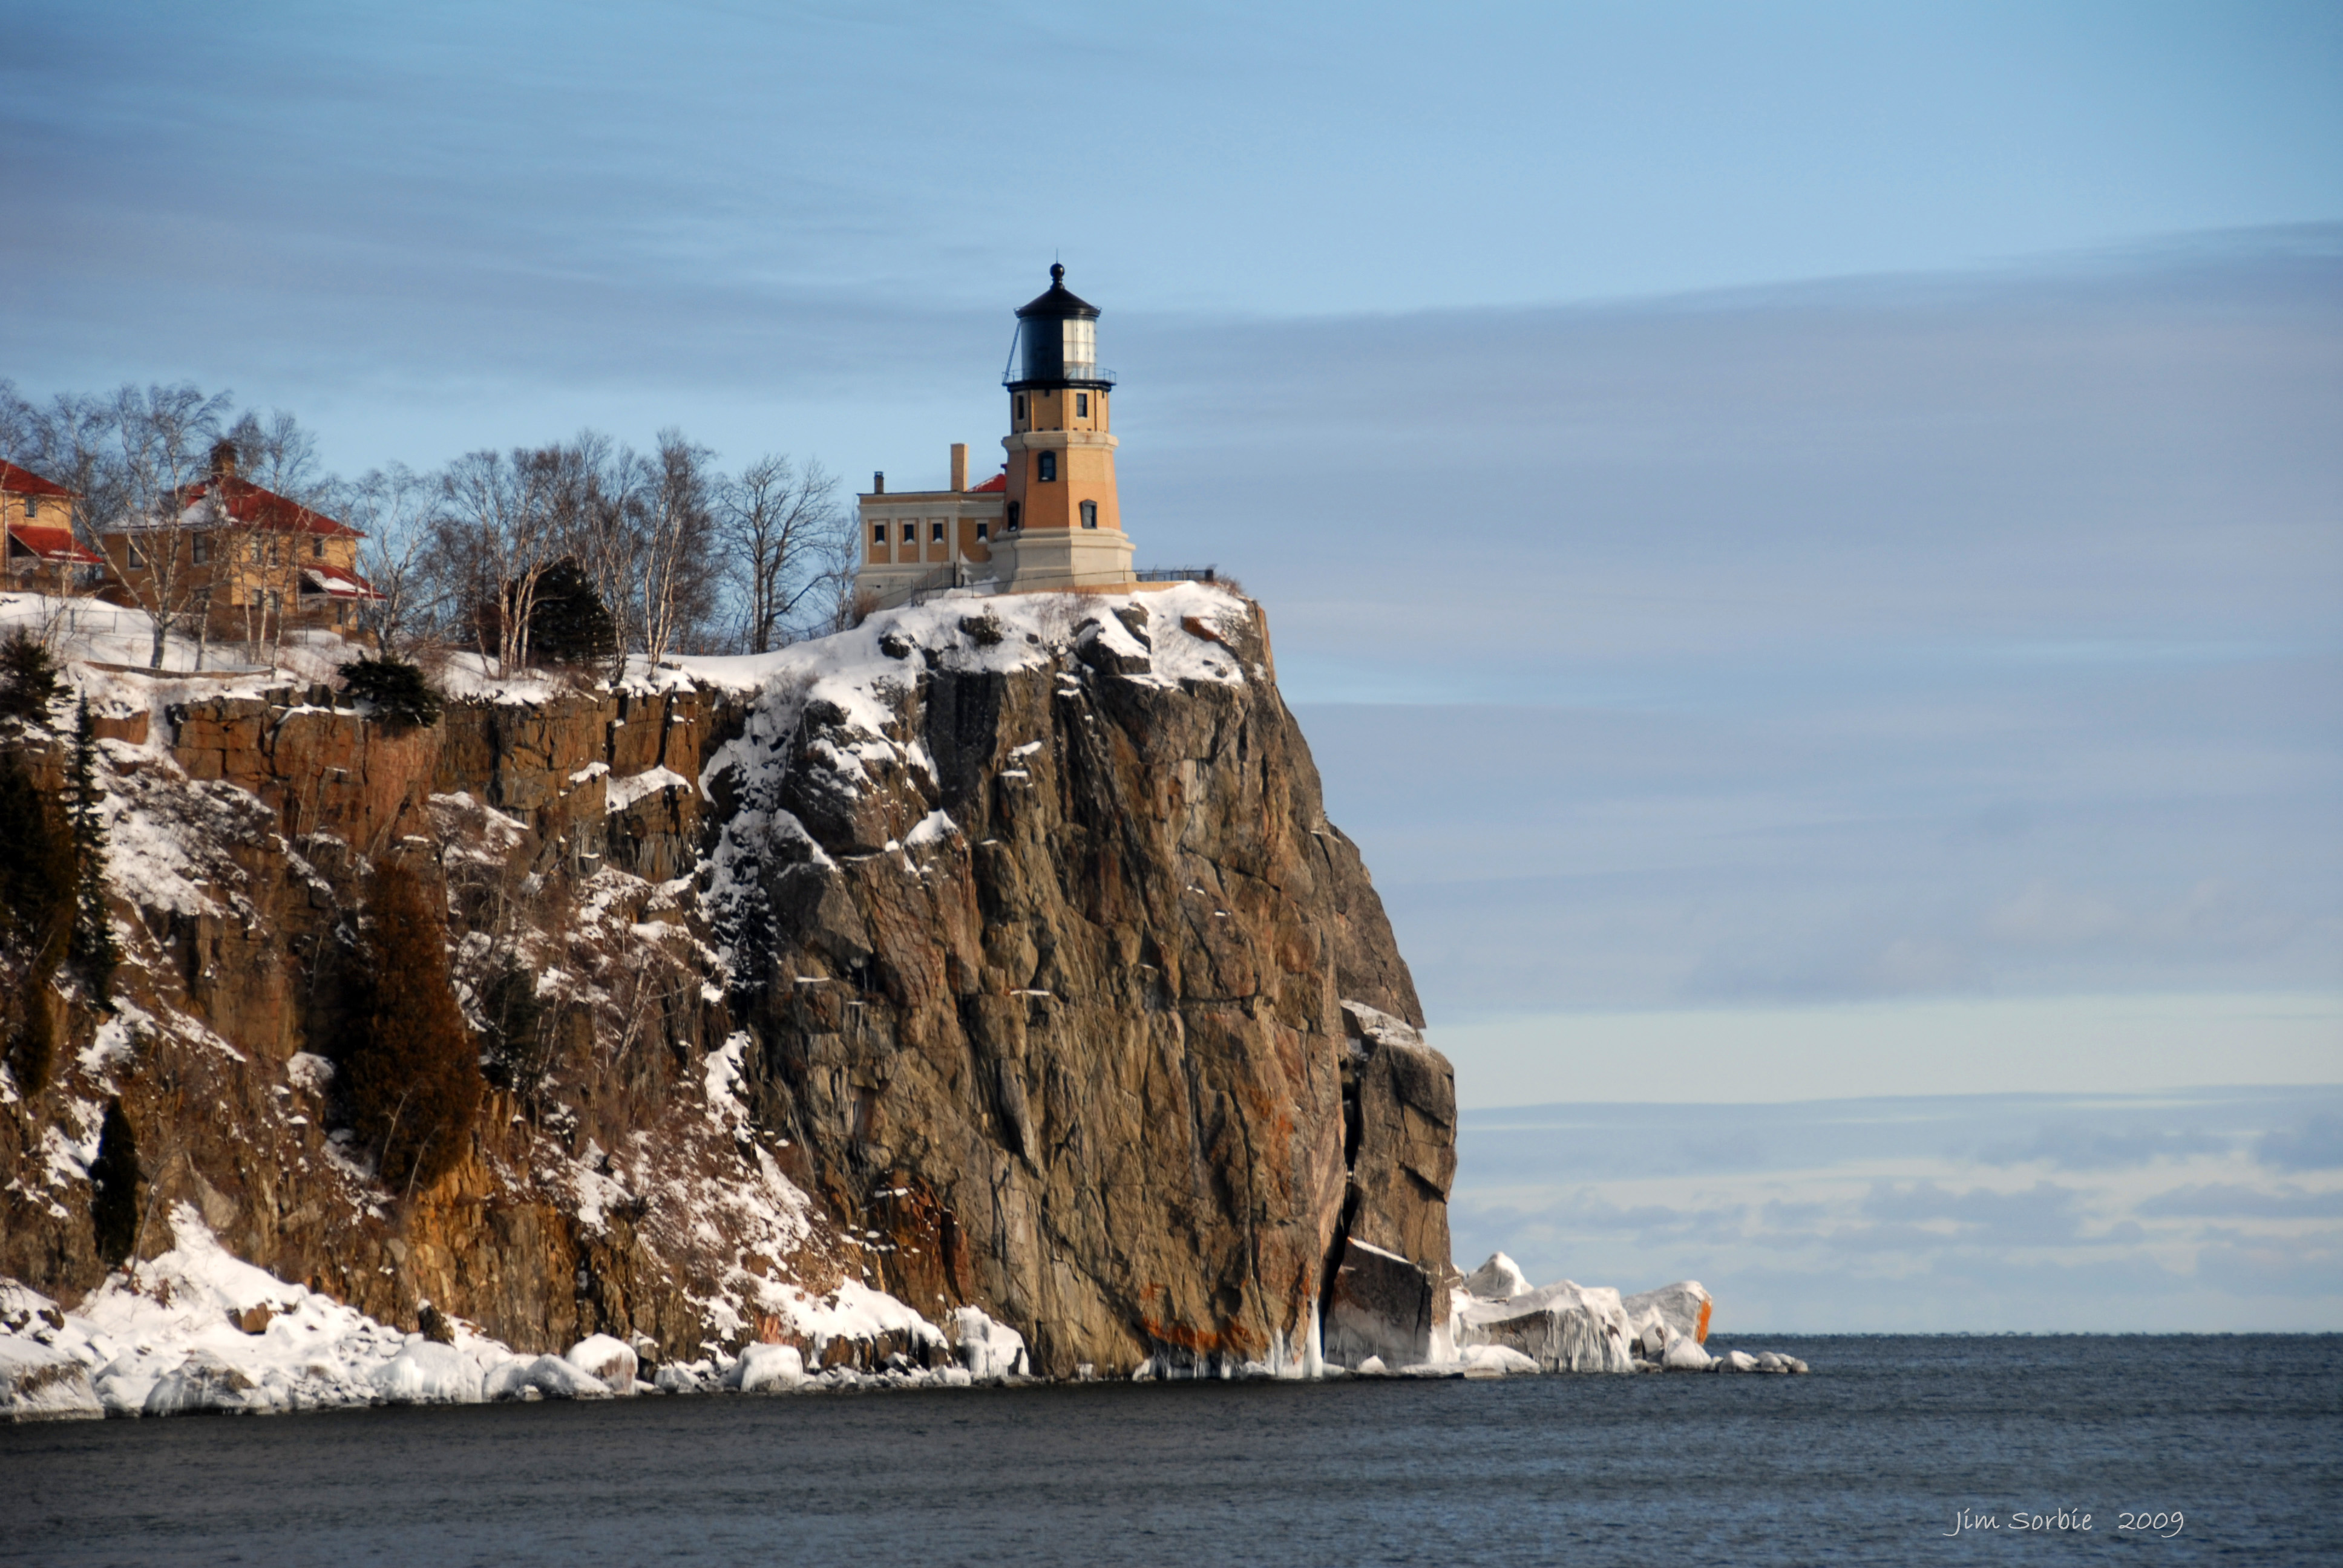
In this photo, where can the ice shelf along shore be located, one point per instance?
(196, 1330)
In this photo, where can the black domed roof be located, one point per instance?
(1060, 303)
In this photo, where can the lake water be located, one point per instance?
(1866, 1460)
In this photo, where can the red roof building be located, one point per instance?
(38, 514)
(250, 563)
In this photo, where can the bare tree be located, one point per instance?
(678, 520)
(782, 535)
(393, 508)
(602, 500)
(162, 437)
(493, 540)
(278, 454)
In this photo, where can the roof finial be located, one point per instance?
(1057, 273)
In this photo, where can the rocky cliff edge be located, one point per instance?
(994, 960)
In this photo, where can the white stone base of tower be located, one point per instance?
(1037, 560)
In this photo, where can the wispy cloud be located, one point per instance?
(1922, 1213)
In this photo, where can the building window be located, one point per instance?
(1021, 405)
(318, 549)
(199, 550)
(910, 533)
(31, 506)
(1045, 466)
(983, 531)
(256, 601)
(879, 533)
(935, 531)
(138, 555)
(1014, 524)
(275, 602)
(1090, 514)
(255, 549)
(1082, 404)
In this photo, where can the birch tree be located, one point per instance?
(162, 437)
(392, 508)
(678, 518)
(493, 540)
(781, 535)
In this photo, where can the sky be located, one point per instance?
(1807, 540)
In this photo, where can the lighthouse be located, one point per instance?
(1050, 520)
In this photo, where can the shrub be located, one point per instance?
(400, 696)
(410, 1072)
(28, 677)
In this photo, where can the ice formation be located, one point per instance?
(196, 1330)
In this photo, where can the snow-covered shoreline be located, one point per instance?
(199, 1331)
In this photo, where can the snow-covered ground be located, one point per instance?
(195, 1329)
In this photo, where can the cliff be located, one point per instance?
(997, 954)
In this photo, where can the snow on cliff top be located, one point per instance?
(1032, 628)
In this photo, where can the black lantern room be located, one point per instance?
(1056, 343)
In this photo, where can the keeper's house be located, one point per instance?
(246, 562)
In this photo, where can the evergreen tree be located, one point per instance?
(28, 678)
(92, 948)
(401, 697)
(568, 621)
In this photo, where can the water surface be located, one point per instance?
(1866, 1460)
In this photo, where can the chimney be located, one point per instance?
(879, 482)
(960, 465)
(224, 458)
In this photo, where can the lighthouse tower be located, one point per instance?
(1062, 526)
(1049, 519)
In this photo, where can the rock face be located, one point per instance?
(997, 955)
(1045, 941)
(1390, 1295)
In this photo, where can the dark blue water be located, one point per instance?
(1866, 1460)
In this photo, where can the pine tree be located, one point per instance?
(93, 949)
(568, 621)
(28, 678)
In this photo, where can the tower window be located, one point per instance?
(1014, 524)
(877, 533)
(1082, 404)
(1021, 405)
(1045, 466)
(935, 531)
(910, 533)
(1090, 514)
